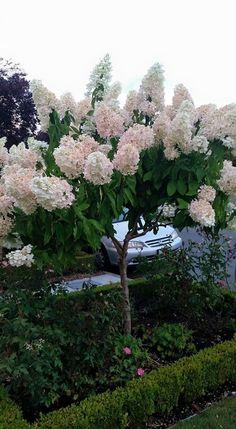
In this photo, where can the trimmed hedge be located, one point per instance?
(10, 414)
(85, 263)
(158, 392)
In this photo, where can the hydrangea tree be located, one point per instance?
(164, 163)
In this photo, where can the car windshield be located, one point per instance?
(122, 217)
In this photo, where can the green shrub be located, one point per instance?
(171, 340)
(54, 346)
(83, 263)
(127, 358)
(158, 392)
(10, 414)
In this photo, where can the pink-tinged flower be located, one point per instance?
(222, 283)
(127, 351)
(98, 169)
(180, 94)
(151, 91)
(3, 152)
(109, 123)
(202, 212)
(52, 192)
(22, 156)
(139, 136)
(17, 182)
(140, 372)
(207, 193)
(126, 159)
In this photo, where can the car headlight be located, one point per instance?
(135, 245)
(174, 235)
(132, 244)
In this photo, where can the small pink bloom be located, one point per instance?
(127, 351)
(222, 283)
(140, 372)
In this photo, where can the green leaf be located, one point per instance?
(147, 176)
(182, 204)
(181, 186)
(129, 196)
(171, 188)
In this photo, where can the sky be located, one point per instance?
(60, 41)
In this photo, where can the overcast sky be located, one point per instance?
(60, 41)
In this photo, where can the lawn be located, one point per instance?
(222, 416)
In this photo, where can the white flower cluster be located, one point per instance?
(101, 74)
(21, 257)
(44, 101)
(52, 192)
(201, 210)
(24, 157)
(3, 152)
(151, 91)
(168, 210)
(227, 181)
(98, 169)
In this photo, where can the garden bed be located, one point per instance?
(159, 392)
(61, 349)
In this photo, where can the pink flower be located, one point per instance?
(127, 351)
(140, 372)
(222, 283)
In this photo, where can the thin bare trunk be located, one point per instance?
(125, 291)
(122, 252)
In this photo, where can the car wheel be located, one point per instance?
(102, 259)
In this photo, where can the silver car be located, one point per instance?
(149, 245)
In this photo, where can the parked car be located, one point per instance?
(148, 245)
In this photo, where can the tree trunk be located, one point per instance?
(125, 291)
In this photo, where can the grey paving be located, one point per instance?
(103, 279)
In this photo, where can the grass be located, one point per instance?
(221, 416)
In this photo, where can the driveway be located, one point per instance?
(191, 234)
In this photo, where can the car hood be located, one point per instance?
(121, 229)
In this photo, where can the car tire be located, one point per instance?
(102, 259)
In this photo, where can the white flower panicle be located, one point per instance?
(227, 181)
(139, 136)
(3, 152)
(37, 145)
(111, 98)
(218, 124)
(126, 159)
(17, 182)
(202, 212)
(83, 107)
(207, 193)
(168, 210)
(108, 122)
(44, 101)
(6, 224)
(98, 169)
(200, 144)
(24, 157)
(52, 192)
(68, 103)
(151, 91)
(69, 157)
(132, 103)
(101, 74)
(21, 257)
(180, 94)
(161, 127)
(178, 138)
